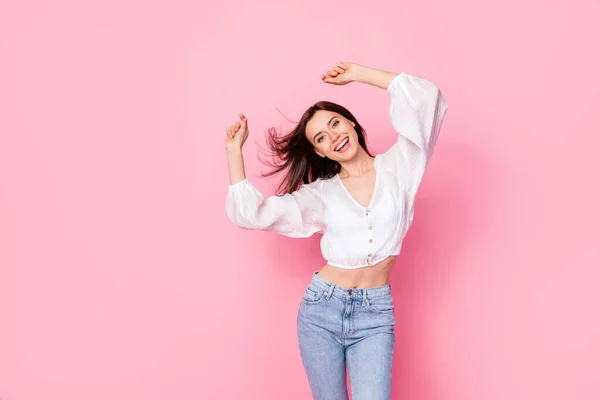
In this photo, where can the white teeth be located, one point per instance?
(341, 144)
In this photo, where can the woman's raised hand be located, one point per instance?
(341, 73)
(237, 134)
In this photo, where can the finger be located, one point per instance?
(339, 70)
(244, 123)
(342, 65)
(236, 127)
(332, 73)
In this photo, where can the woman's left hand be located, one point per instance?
(341, 73)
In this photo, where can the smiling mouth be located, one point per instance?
(342, 144)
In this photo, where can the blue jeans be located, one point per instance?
(341, 328)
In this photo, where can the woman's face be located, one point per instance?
(332, 135)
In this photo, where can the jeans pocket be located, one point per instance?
(381, 305)
(313, 294)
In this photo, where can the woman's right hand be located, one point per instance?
(237, 134)
(342, 73)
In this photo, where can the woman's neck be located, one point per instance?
(360, 164)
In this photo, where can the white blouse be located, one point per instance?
(355, 236)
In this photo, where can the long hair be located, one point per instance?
(295, 153)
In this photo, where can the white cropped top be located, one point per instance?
(355, 236)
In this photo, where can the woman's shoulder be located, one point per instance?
(319, 187)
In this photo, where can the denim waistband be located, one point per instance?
(332, 289)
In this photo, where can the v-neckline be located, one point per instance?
(368, 207)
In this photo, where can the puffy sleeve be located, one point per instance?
(296, 215)
(417, 110)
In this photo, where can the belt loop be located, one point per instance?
(329, 291)
(364, 297)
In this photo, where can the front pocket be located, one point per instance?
(380, 305)
(313, 295)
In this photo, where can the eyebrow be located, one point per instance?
(317, 134)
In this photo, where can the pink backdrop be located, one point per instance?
(121, 277)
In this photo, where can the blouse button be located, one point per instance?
(368, 210)
(370, 240)
(369, 255)
(370, 227)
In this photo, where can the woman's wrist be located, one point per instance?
(235, 162)
(234, 151)
(359, 73)
(373, 76)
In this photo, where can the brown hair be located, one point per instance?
(294, 152)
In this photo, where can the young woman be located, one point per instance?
(363, 206)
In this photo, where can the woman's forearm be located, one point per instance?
(375, 77)
(235, 161)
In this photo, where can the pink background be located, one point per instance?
(121, 277)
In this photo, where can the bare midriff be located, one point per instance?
(360, 278)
